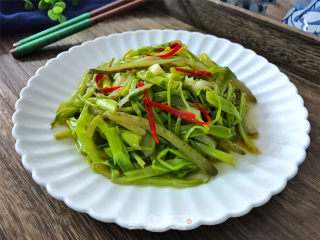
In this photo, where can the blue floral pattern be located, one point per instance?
(307, 19)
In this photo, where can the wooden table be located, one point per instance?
(28, 212)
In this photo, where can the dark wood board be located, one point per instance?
(28, 212)
(281, 44)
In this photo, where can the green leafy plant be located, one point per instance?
(54, 8)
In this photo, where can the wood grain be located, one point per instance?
(281, 44)
(28, 212)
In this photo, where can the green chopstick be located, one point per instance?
(74, 25)
(55, 28)
(45, 40)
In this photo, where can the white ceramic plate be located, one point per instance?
(279, 115)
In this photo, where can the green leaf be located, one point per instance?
(28, 5)
(42, 5)
(57, 9)
(62, 18)
(60, 4)
(53, 16)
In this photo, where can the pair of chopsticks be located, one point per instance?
(71, 26)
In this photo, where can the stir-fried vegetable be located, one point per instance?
(159, 116)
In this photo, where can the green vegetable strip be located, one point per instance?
(135, 91)
(207, 140)
(108, 152)
(118, 152)
(231, 146)
(102, 169)
(221, 131)
(126, 119)
(151, 172)
(134, 129)
(162, 95)
(164, 116)
(121, 148)
(214, 130)
(92, 127)
(139, 160)
(203, 100)
(229, 117)
(64, 113)
(243, 134)
(114, 174)
(237, 83)
(177, 127)
(63, 134)
(175, 164)
(132, 139)
(205, 59)
(169, 101)
(74, 105)
(82, 86)
(148, 142)
(141, 106)
(107, 104)
(126, 109)
(144, 173)
(163, 181)
(214, 100)
(144, 62)
(136, 108)
(87, 145)
(204, 129)
(215, 153)
(158, 118)
(225, 105)
(184, 99)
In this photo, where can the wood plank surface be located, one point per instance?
(282, 44)
(28, 212)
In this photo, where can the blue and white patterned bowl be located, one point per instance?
(307, 19)
(257, 6)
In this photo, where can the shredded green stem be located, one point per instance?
(169, 100)
(195, 110)
(194, 156)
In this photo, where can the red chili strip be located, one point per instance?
(175, 48)
(140, 84)
(160, 50)
(204, 112)
(109, 90)
(194, 72)
(152, 123)
(184, 115)
(174, 44)
(98, 78)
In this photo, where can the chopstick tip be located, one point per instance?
(16, 44)
(14, 52)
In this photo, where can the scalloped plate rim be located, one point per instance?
(171, 225)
